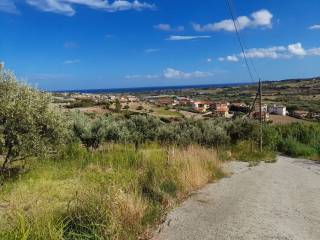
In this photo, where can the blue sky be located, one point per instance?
(81, 44)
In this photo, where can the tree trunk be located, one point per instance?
(6, 161)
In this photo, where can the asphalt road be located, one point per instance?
(269, 201)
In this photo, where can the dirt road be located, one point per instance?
(269, 201)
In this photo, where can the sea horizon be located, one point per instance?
(151, 89)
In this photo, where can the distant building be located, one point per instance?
(201, 106)
(264, 107)
(277, 110)
(131, 98)
(123, 99)
(220, 109)
(183, 101)
(164, 102)
(239, 107)
(112, 97)
(300, 114)
(315, 115)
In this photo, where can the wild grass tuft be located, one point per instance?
(115, 192)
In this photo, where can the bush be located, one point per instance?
(91, 132)
(295, 148)
(299, 140)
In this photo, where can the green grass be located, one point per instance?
(164, 112)
(113, 193)
(248, 151)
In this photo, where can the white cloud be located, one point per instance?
(315, 27)
(276, 52)
(230, 58)
(271, 52)
(72, 61)
(296, 49)
(66, 7)
(209, 60)
(261, 18)
(185, 38)
(8, 6)
(152, 50)
(171, 73)
(168, 27)
(313, 52)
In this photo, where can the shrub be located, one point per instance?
(295, 148)
(91, 132)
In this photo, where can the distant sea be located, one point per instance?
(153, 89)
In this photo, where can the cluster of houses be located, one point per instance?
(100, 97)
(215, 108)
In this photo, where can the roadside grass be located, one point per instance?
(300, 140)
(115, 192)
(248, 151)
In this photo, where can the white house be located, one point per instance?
(200, 106)
(278, 110)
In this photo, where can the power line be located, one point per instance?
(242, 45)
(241, 42)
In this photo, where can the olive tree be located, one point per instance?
(142, 129)
(29, 125)
(91, 132)
(117, 106)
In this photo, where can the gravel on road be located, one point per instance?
(270, 201)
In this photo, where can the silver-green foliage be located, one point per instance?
(91, 132)
(29, 126)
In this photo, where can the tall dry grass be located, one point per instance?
(115, 193)
(196, 166)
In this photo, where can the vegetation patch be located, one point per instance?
(113, 193)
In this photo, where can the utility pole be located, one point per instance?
(260, 107)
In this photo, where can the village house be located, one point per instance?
(264, 108)
(315, 115)
(277, 110)
(132, 98)
(201, 106)
(111, 97)
(164, 102)
(183, 101)
(300, 114)
(220, 108)
(123, 99)
(239, 107)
